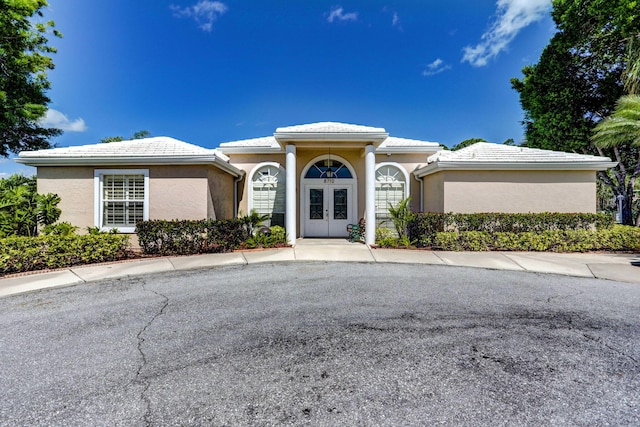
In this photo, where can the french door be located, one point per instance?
(328, 210)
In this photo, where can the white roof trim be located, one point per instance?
(488, 156)
(404, 145)
(505, 165)
(330, 131)
(148, 151)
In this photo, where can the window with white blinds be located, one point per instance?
(123, 196)
(268, 193)
(390, 190)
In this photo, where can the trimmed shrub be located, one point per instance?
(185, 237)
(272, 237)
(423, 227)
(19, 254)
(617, 238)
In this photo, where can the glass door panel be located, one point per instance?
(316, 203)
(340, 204)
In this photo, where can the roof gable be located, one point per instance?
(329, 127)
(489, 152)
(148, 147)
(489, 156)
(147, 151)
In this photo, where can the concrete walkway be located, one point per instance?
(618, 267)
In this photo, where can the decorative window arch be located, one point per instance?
(328, 169)
(392, 185)
(267, 192)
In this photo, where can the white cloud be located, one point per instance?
(512, 17)
(338, 13)
(436, 67)
(395, 20)
(55, 119)
(205, 12)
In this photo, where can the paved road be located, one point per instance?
(324, 344)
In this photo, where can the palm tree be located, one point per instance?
(622, 128)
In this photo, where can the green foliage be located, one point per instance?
(184, 237)
(386, 239)
(617, 238)
(622, 126)
(22, 209)
(424, 227)
(141, 134)
(466, 143)
(275, 236)
(253, 220)
(64, 229)
(401, 215)
(24, 62)
(19, 253)
(578, 80)
(96, 230)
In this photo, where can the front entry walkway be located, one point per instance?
(618, 267)
(338, 249)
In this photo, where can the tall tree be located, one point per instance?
(24, 62)
(466, 143)
(141, 134)
(577, 82)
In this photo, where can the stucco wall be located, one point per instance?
(175, 192)
(178, 192)
(434, 193)
(220, 194)
(247, 162)
(518, 191)
(74, 185)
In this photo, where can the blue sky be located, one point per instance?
(208, 72)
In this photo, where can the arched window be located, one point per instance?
(328, 169)
(268, 193)
(391, 188)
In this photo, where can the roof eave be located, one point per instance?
(376, 138)
(250, 150)
(408, 150)
(438, 166)
(134, 160)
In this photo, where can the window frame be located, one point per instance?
(252, 174)
(403, 171)
(98, 181)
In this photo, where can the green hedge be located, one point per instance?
(19, 254)
(423, 227)
(185, 237)
(617, 238)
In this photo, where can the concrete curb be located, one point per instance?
(618, 267)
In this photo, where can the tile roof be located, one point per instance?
(489, 152)
(393, 141)
(329, 127)
(263, 142)
(160, 146)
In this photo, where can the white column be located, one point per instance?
(291, 215)
(370, 194)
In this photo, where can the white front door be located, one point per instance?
(328, 210)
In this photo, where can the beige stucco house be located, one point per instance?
(312, 179)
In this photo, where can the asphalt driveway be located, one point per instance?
(324, 344)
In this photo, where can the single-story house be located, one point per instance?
(313, 179)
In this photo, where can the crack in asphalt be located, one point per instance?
(138, 378)
(565, 296)
(599, 340)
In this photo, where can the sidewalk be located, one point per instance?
(619, 267)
